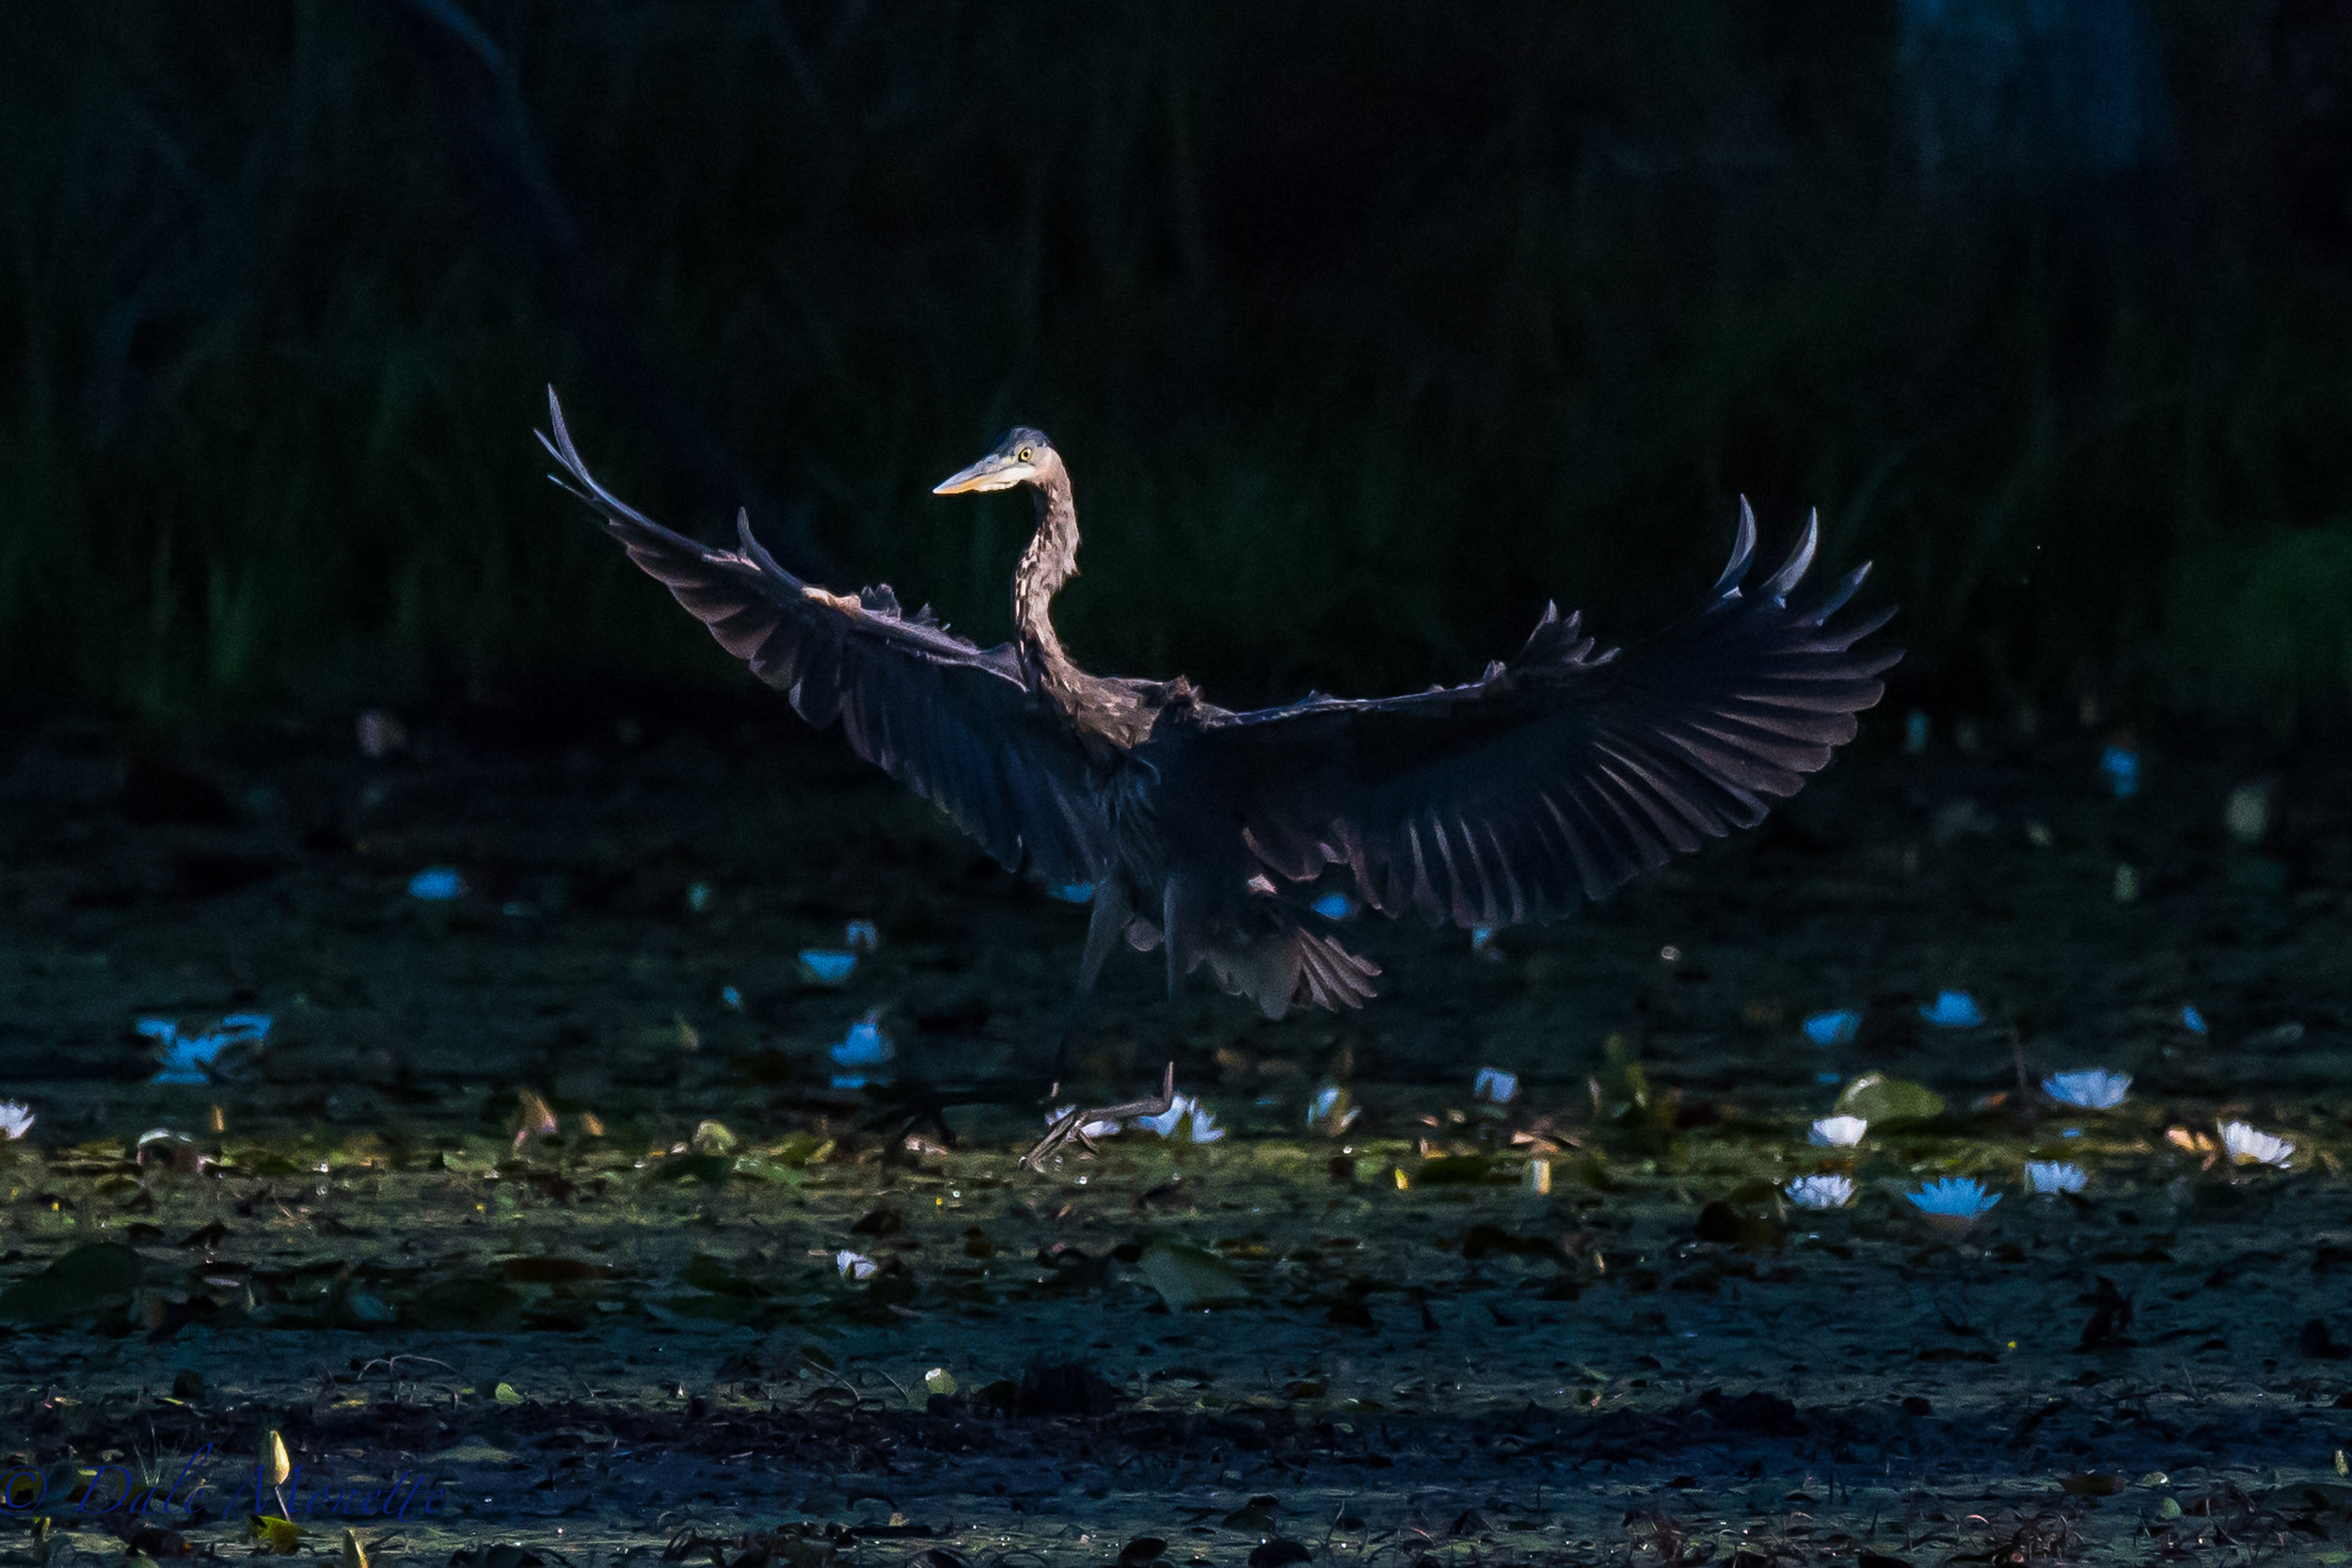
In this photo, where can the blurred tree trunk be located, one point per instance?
(2034, 89)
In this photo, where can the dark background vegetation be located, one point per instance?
(1366, 326)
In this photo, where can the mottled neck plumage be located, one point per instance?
(1051, 560)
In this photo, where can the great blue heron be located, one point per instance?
(1554, 777)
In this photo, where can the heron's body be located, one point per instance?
(1552, 778)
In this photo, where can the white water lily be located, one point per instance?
(2053, 1176)
(1178, 1107)
(855, 1265)
(15, 1119)
(1840, 1131)
(1955, 1201)
(2089, 1089)
(1182, 1110)
(1821, 1192)
(2247, 1146)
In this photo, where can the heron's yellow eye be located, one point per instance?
(1028, 455)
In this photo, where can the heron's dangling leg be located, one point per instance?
(1169, 939)
(1112, 909)
(1073, 1123)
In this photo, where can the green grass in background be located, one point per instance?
(1365, 329)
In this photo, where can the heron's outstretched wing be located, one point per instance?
(954, 722)
(1565, 772)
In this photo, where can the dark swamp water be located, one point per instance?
(1384, 1340)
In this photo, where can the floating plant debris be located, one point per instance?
(2121, 767)
(827, 966)
(199, 1058)
(865, 1047)
(1832, 1028)
(437, 884)
(1952, 1009)
(1495, 1086)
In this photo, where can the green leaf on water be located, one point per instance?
(553, 1271)
(753, 1167)
(84, 1283)
(504, 1393)
(716, 1276)
(801, 1149)
(369, 1311)
(479, 1156)
(1456, 1170)
(474, 1302)
(710, 1169)
(279, 1536)
(1188, 1278)
(1878, 1099)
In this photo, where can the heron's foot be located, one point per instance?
(1074, 1123)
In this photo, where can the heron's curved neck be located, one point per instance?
(1051, 560)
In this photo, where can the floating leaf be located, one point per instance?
(84, 1283)
(474, 1302)
(1487, 1238)
(1456, 1170)
(709, 1169)
(716, 1275)
(504, 1393)
(1740, 1224)
(1878, 1100)
(364, 1310)
(275, 1536)
(1190, 1279)
(1280, 1552)
(552, 1271)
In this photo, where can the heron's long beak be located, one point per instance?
(996, 471)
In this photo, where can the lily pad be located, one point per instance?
(1880, 1099)
(84, 1283)
(475, 1302)
(1190, 1279)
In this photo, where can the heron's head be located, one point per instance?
(1024, 456)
